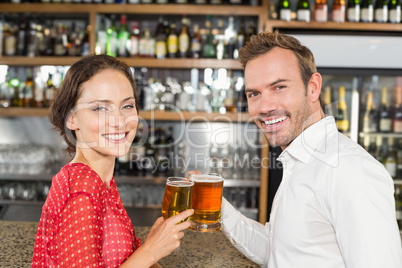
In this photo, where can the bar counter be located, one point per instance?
(210, 250)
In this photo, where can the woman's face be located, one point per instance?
(105, 118)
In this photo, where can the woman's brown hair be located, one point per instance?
(70, 91)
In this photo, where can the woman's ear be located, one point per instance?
(70, 122)
(314, 87)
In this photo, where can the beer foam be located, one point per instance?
(180, 183)
(207, 178)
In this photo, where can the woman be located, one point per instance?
(83, 222)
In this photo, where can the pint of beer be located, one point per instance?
(177, 197)
(207, 201)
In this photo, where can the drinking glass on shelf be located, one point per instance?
(177, 197)
(207, 202)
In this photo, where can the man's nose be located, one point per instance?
(267, 103)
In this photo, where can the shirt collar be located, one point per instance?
(304, 146)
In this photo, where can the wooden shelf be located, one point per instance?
(134, 62)
(168, 9)
(348, 26)
(147, 115)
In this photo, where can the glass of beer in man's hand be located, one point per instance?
(206, 202)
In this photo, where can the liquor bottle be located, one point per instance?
(134, 39)
(59, 47)
(398, 205)
(220, 41)
(321, 11)
(100, 47)
(338, 11)
(240, 39)
(394, 11)
(195, 42)
(284, 10)
(384, 114)
(16, 98)
(370, 116)
(230, 38)
(342, 119)
(251, 31)
(37, 44)
(367, 11)
(124, 164)
(328, 108)
(162, 157)
(10, 40)
(303, 11)
(146, 46)
(28, 90)
(111, 39)
(73, 39)
(22, 39)
(50, 91)
(184, 39)
(208, 50)
(353, 11)
(160, 40)
(390, 161)
(397, 118)
(85, 42)
(123, 37)
(399, 158)
(381, 11)
(173, 42)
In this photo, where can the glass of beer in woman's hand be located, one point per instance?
(177, 197)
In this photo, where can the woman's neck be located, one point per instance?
(102, 165)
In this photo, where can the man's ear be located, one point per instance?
(71, 122)
(314, 87)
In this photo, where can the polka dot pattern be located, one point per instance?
(83, 224)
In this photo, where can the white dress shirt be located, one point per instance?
(334, 208)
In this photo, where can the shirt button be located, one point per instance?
(270, 234)
(226, 216)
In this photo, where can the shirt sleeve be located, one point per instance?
(80, 233)
(361, 207)
(248, 236)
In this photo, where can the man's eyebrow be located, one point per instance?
(278, 81)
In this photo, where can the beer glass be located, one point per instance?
(207, 201)
(177, 197)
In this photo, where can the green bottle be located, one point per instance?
(284, 10)
(381, 11)
(394, 11)
(303, 11)
(111, 39)
(367, 11)
(353, 11)
(209, 50)
(123, 37)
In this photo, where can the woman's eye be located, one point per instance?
(99, 109)
(129, 106)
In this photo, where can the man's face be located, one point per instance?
(277, 97)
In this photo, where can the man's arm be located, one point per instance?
(250, 237)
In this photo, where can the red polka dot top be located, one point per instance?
(83, 223)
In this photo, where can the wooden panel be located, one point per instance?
(38, 61)
(263, 205)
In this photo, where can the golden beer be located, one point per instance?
(207, 201)
(177, 197)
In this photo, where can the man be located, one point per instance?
(334, 207)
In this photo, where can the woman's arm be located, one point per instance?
(163, 238)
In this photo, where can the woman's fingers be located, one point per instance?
(193, 172)
(181, 216)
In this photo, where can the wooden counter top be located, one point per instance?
(199, 250)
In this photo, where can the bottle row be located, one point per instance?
(209, 90)
(200, 2)
(218, 38)
(32, 36)
(388, 151)
(156, 152)
(353, 11)
(380, 110)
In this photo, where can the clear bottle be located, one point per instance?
(28, 90)
(146, 46)
(196, 42)
(160, 40)
(342, 118)
(134, 39)
(381, 11)
(230, 38)
(240, 40)
(367, 11)
(184, 39)
(303, 11)
(85, 42)
(390, 160)
(10, 40)
(321, 11)
(101, 36)
(353, 11)
(59, 47)
(338, 11)
(394, 11)
(284, 10)
(50, 91)
(397, 116)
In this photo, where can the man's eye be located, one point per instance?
(252, 94)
